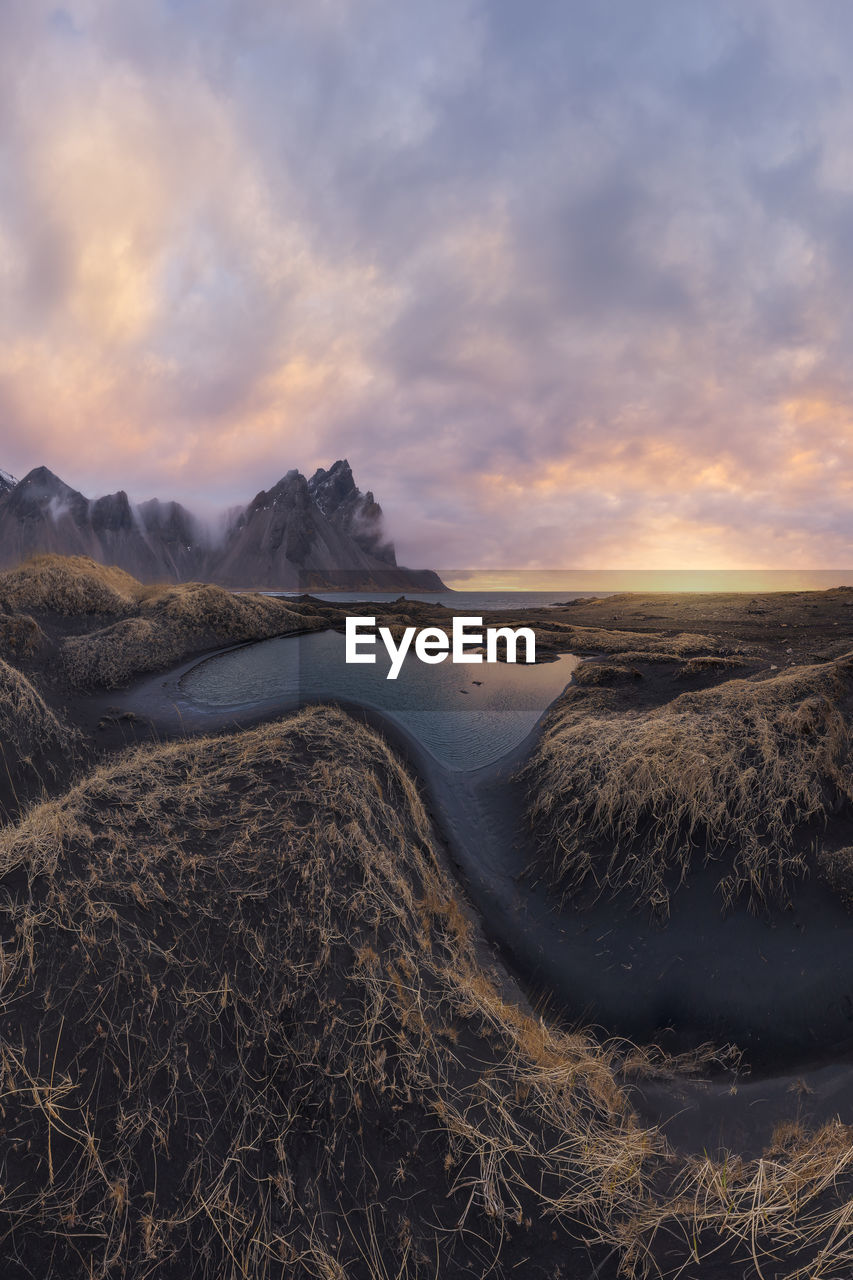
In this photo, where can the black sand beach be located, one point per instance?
(727, 1029)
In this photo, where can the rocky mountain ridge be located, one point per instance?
(299, 535)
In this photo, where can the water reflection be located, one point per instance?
(466, 715)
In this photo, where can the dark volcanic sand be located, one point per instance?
(776, 986)
(739, 978)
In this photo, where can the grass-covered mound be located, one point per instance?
(624, 797)
(69, 586)
(630, 645)
(245, 1032)
(35, 746)
(708, 664)
(98, 627)
(605, 673)
(20, 635)
(169, 624)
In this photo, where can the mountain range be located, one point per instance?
(299, 535)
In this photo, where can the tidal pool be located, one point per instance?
(466, 715)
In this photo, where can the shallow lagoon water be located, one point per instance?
(466, 715)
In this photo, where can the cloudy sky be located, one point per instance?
(569, 283)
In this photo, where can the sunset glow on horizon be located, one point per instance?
(567, 283)
(578, 582)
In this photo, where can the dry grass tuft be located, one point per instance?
(247, 1033)
(242, 1007)
(624, 796)
(836, 867)
(171, 623)
(706, 663)
(70, 586)
(604, 673)
(658, 657)
(20, 635)
(783, 1216)
(150, 627)
(635, 646)
(35, 746)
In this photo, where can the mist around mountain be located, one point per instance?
(300, 534)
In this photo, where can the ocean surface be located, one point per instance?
(465, 715)
(478, 592)
(474, 602)
(577, 582)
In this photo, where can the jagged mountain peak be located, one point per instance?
(43, 480)
(330, 488)
(291, 490)
(295, 533)
(357, 514)
(113, 511)
(43, 496)
(7, 481)
(292, 484)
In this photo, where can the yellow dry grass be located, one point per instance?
(247, 1033)
(836, 867)
(223, 962)
(33, 740)
(604, 673)
(708, 663)
(20, 635)
(623, 797)
(658, 657)
(628, 645)
(150, 627)
(70, 586)
(170, 623)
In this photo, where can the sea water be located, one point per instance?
(475, 603)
